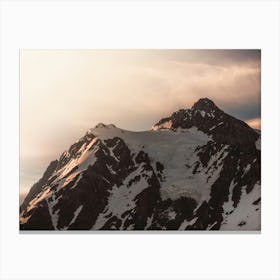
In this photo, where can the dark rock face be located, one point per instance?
(40, 218)
(108, 184)
(207, 117)
(205, 104)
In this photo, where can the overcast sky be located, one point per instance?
(64, 93)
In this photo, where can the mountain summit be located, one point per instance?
(205, 104)
(210, 119)
(198, 169)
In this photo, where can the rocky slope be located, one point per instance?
(198, 169)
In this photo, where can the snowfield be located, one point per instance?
(174, 149)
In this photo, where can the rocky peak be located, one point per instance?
(208, 118)
(102, 125)
(205, 104)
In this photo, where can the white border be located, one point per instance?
(155, 24)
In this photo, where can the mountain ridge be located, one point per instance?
(204, 115)
(191, 171)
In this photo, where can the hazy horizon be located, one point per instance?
(63, 93)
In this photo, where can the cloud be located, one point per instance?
(219, 57)
(175, 85)
(254, 123)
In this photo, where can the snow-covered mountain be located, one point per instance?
(198, 169)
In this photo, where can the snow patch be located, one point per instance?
(258, 144)
(246, 169)
(172, 215)
(52, 201)
(202, 113)
(76, 214)
(228, 205)
(215, 126)
(149, 222)
(246, 216)
(186, 223)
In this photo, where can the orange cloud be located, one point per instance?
(254, 123)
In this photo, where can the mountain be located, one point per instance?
(198, 169)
